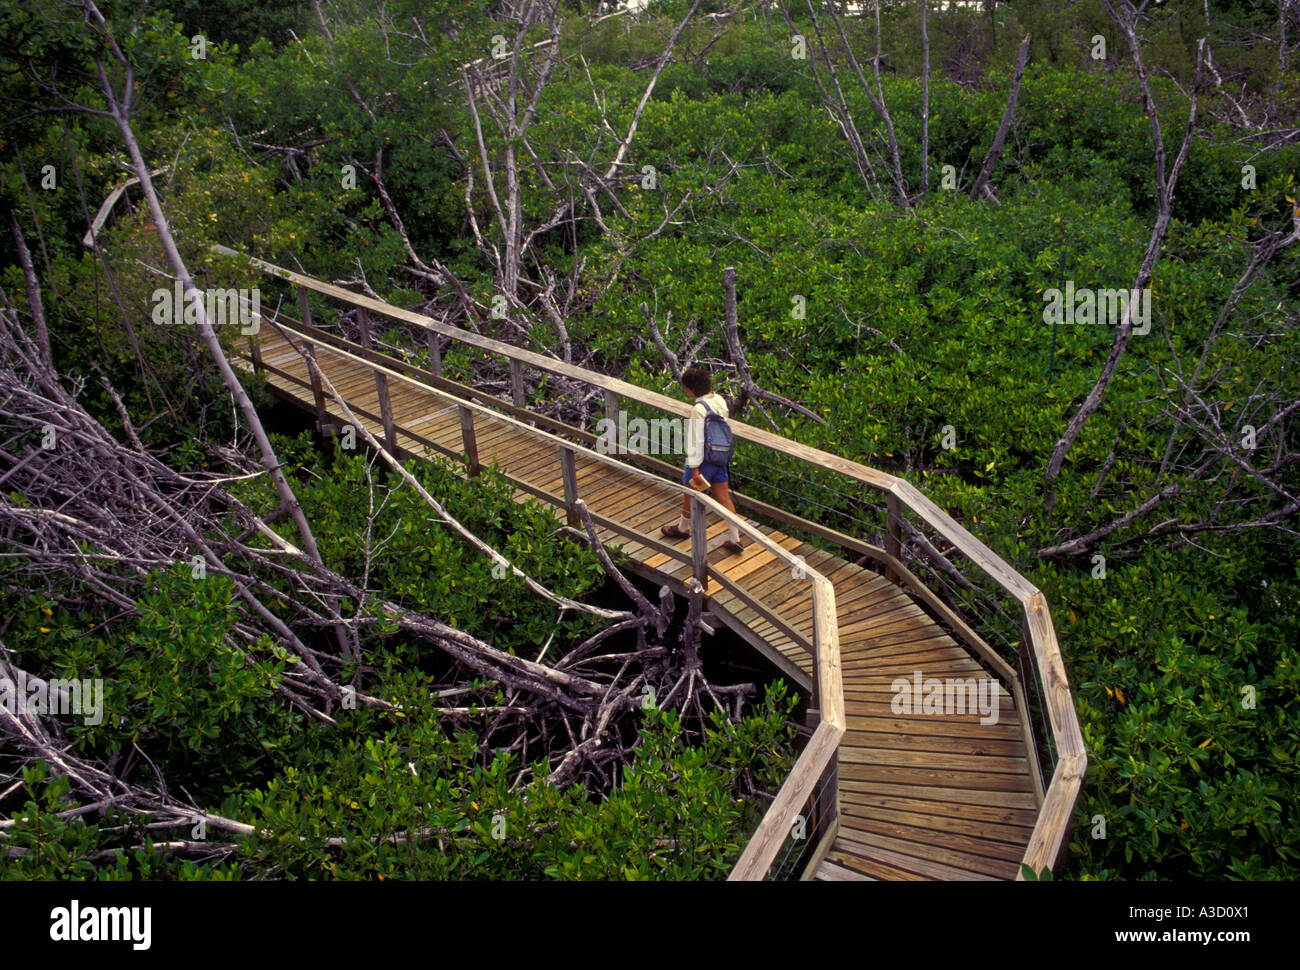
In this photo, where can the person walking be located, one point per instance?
(700, 473)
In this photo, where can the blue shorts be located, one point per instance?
(712, 474)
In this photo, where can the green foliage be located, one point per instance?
(48, 846)
(176, 693)
(1191, 783)
(1189, 709)
(240, 22)
(395, 797)
(676, 813)
(421, 562)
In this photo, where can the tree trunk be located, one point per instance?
(981, 186)
(925, 100)
(1164, 197)
(269, 459)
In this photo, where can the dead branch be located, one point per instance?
(981, 186)
(1126, 18)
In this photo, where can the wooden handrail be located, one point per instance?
(1052, 826)
(562, 443)
(822, 751)
(772, 832)
(96, 224)
(742, 431)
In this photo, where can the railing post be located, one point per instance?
(815, 701)
(516, 382)
(1026, 719)
(317, 392)
(435, 353)
(893, 533)
(467, 438)
(381, 388)
(569, 472)
(255, 351)
(699, 544)
(826, 798)
(1022, 660)
(304, 307)
(812, 718)
(611, 416)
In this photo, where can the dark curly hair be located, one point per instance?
(697, 381)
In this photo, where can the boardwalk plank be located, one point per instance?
(886, 852)
(833, 872)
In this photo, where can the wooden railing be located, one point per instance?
(1038, 648)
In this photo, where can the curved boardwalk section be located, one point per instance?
(922, 793)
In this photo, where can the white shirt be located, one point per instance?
(695, 427)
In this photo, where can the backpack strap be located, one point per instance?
(700, 400)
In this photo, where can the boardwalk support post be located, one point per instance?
(569, 470)
(317, 392)
(467, 438)
(255, 351)
(304, 307)
(699, 544)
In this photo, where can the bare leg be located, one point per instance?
(722, 492)
(684, 520)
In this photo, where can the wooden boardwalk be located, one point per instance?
(921, 796)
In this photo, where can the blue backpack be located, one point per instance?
(718, 441)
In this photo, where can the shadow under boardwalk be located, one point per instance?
(922, 795)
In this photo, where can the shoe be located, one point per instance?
(672, 532)
(735, 548)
